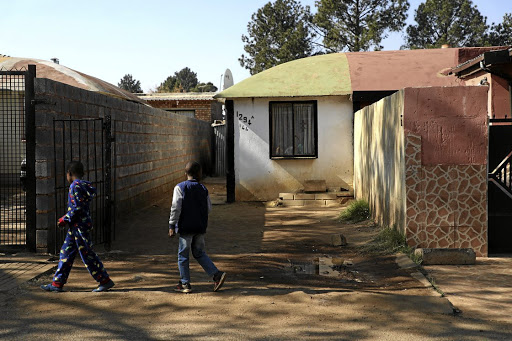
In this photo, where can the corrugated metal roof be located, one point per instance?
(178, 96)
(469, 63)
(60, 73)
(324, 75)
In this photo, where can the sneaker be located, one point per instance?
(105, 287)
(218, 280)
(183, 287)
(51, 287)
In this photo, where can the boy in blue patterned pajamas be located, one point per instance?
(189, 217)
(78, 240)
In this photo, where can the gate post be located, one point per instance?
(30, 137)
(230, 150)
(108, 182)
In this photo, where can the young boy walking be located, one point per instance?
(79, 223)
(189, 218)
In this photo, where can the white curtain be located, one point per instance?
(293, 128)
(304, 139)
(282, 129)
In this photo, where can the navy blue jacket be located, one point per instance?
(190, 208)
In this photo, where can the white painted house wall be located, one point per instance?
(258, 177)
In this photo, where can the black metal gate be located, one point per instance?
(500, 186)
(17, 159)
(90, 142)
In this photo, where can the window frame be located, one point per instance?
(315, 131)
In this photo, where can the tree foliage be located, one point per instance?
(185, 80)
(130, 84)
(204, 87)
(278, 32)
(170, 84)
(501, 34)
(457, 23)
(360, 25)
(182, 81)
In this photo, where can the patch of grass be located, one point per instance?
(356, 212)
(390, 240)
(432, 281)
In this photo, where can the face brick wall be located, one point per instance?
(204, 110)
(151, 146)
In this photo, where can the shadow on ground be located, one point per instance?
(263, 299)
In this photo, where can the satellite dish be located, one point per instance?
(228, 79)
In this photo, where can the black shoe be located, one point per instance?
(183, 287)
(218, 280)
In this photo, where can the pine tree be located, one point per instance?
(130, 84)
(359, 25)
(457, 23)
(278, 32)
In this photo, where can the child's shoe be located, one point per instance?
(105, 287)
(218, 280)
(183, 287)
(51, 287)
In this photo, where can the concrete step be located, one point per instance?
(319, 199)
(338, 202)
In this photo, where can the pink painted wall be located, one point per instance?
(452, 122)
(445, 142)
(499, 97)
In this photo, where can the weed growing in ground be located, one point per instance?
(390, 240)
(356, 212)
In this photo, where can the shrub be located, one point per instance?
(356, 211)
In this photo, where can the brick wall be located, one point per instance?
(205, 110)
(151, 146)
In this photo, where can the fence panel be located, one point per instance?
(220, 150)
(17, 153)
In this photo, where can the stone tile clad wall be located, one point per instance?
(445, 167)
(152, 147)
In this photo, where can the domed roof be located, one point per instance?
(345, 73)
(60, 73)
(324, 75)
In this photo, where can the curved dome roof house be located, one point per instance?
(346, 73)
(63, 74)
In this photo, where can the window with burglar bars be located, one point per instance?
(293, 130)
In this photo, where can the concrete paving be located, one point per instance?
(480, 291)
(17, 269)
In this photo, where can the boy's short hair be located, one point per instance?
(76, 168)
(193, 169)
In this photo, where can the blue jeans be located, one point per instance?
(197, 244)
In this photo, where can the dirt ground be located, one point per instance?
(267, 296)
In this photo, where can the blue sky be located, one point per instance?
(149, 39)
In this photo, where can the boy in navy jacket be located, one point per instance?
(189, 218)
(78, 240)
